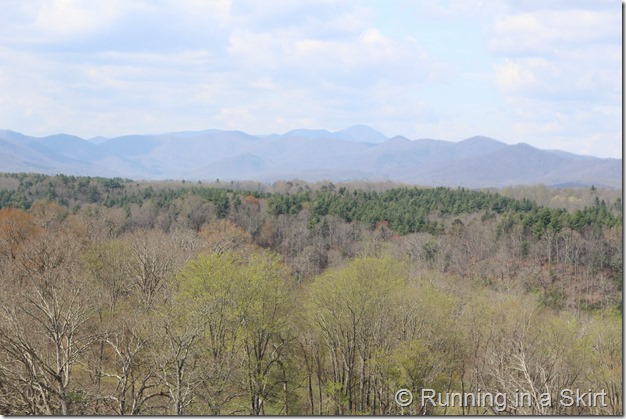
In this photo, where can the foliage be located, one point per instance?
(153, 298)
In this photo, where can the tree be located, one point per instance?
(108, 264)
(43, 325)
(155, 257)
(351, 309)
(15, 227)
(131, 380)
(245, 308)
(224, 236)
(606, 361)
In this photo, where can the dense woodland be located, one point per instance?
(124, 297)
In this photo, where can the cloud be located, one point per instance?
(573, 54)
(39, 23)
(116, 66)
(303, 41)
(513, 76)
(558, 69)
(548, 32)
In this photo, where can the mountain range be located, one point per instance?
(355, 153)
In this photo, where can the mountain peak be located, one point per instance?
(308, 133)
(355, 133)
(12, 135)
(306, 154)
(481, 139)
(480, 144)
(363, 133)
(62, 137)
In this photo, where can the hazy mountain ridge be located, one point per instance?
(355, 153)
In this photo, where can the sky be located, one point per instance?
(544, 72)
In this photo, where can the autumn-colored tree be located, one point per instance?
(224, 236)
(16, 226)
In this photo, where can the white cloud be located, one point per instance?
(373, 36)
(548, 32)
(115, 67)
(47, 22)
(559, 73)
(67, 18)
(513, 76)
(572, 54)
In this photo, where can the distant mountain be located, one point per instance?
(362, 133)
(479, 145)
(98, 140)
(356, 133)
(354, 153)
(62, 154)
(312, 133)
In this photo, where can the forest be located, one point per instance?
(295, 298)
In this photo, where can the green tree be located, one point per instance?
(245, 305)
(352, 310)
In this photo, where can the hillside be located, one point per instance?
(355, 153)
(183, 281)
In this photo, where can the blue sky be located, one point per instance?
(538, 71)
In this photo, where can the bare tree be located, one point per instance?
(43, 323)
(155, 257)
